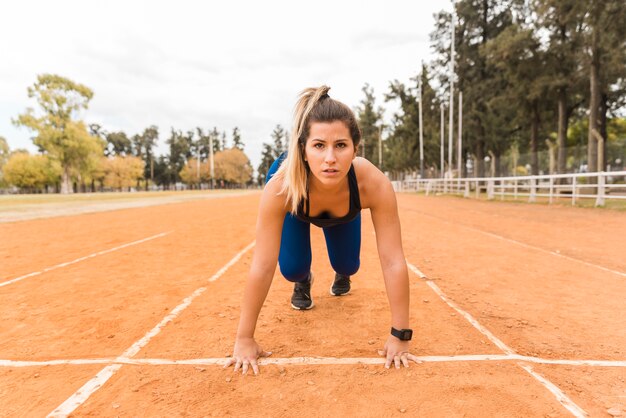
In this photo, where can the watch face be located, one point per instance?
(407, 334)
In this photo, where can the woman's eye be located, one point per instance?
(319, 145)
(341, 145)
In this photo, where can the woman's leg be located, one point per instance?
(295, 249)
(294, 258)
(344, 246)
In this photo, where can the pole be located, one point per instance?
(212, 169)
(421, 128)
(459, 152)
(198, 167)
(442, 143)
(380, 146)
(451, 110)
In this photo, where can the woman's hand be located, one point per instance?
(245, 354)
(397, 351)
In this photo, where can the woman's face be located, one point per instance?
(329, 150)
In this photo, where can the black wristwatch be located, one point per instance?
(402, 334)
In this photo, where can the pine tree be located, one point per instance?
(237, 143)
(370, 122)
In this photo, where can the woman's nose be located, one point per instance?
(330, 155)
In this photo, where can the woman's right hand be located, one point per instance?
(245, 354)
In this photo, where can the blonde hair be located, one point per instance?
(313, 105)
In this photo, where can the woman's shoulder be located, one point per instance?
(274, 197)
(370, 180)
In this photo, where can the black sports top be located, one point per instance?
(324, 220)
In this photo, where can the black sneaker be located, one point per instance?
(301, 297)
(341, 285)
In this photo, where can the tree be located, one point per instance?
(563, 19)
(485, 121)
(179, 153)
(122, 172)
(149, 139)
(215, 135)
(224, 140)
(237, 143)
(517, 54)
(370, 122)
(278, 135)
(195, 173)
(233, 166)
(402, 145)
(4, 157)
(267, 158)
(31, 172)
(606, 43)
(63, 137)
(118, 144)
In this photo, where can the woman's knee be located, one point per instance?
(347, 267)
(295, 273)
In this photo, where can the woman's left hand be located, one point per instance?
(397, 351)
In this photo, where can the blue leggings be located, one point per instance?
(343, 243)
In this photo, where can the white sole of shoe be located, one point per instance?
(302, 309)
(343, 294)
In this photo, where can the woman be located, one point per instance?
(321, 181)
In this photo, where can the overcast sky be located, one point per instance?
(185, 64)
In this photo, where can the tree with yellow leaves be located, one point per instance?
(122, 172)
(194, 173)
(31, 172)
(233, 166)
(58, 132)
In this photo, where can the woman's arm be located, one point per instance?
(268, 232)
(386, 221)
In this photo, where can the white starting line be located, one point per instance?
(305, 361)
(110, 250)
(114, 364)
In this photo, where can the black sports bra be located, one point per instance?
(324, 220)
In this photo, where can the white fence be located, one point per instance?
(599, 186)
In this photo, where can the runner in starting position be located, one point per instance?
(321, 181)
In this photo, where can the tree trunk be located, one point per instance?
(562, 132)
(594, 103)
(65, 181)
(534, 140)
(603, 129)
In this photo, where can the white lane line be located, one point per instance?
(576, 410)
(310, 360)
(532, 247)
(95, 383)
(470, 318)
(561, 397)
(67, 263)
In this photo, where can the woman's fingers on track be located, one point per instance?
(413, 358)
(255, 366)
(396, 361)
(405, 360)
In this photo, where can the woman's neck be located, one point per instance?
(317, 186)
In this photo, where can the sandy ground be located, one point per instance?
(544, 280)
(20, 211)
